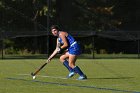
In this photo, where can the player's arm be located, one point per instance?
(55, 51)
(64, 39)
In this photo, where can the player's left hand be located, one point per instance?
(59, 50)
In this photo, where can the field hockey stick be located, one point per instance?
(36, 72)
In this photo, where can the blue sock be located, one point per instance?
(78, 70)
(66, 64)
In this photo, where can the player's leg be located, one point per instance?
(63, 59)
(72, 60)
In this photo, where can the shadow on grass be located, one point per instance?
(74, 85)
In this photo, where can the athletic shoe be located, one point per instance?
(82, 77)
(71, 74)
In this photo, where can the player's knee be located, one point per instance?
(62, 59)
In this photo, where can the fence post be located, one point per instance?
(2, 44)
(2, 54)
(138, 48)
(93, 56)
(48, 26)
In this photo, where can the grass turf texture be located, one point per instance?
(104, 76)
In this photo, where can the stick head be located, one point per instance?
(32, 74)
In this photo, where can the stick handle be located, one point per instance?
(33, 74)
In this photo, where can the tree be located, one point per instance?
(91, 14)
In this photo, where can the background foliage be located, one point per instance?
(72, 15)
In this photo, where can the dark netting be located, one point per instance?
(22, 34)
(93, 44)
(121, 35)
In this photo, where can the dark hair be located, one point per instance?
(55, 27)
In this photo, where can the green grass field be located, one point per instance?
(104, 76)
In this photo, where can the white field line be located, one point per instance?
(44, 76)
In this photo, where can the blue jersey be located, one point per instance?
(73, 47)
